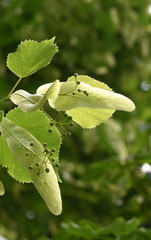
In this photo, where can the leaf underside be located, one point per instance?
(38, 124)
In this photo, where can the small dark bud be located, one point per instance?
(47, 170)
(57, 165)
(73, 93)
(85, 92)
(71, 124)
(53, 159)
(47, 150)
(53, 150)
(52, 124)
(78, 82)
(31, 144)
(79, 90)
(37, 164)
(30, 167)
(70, 118)
(76, 75)
(27, 154)
(45, 144)
(38, 173)
(50, 131)
(64, 134)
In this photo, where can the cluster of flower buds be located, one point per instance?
(48, 158)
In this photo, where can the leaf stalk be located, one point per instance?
(8, 96)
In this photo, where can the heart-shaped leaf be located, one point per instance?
(31, 56)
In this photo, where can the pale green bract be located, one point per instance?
(31, 102)
(29, 152)
(91, 109)
(31, 56)
(2, 190)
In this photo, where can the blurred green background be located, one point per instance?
(106, 187)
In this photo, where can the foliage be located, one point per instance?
(100, 168)
(25, 157)
(30, 57)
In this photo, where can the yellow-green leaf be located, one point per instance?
(31, 56)
(30, 153)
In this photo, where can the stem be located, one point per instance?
(8, 96)
(63, 94)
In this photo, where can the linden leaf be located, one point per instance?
(90, 118)
(14, 169)
(27, 121)
(30, 153)
(31, 56)
(31, 102)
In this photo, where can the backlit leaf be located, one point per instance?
(27, 121)
(31, 56)
(29, 152)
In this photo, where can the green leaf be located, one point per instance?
(30, 153)
(90, 118)
(13, 167)
(2, 190)
(81, 230)
(27, 121)
(31, 102)
(120, 227)
(31, 56)
(1, 115)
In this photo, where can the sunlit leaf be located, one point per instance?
(27, 121)
(31, 56)
(30, 153)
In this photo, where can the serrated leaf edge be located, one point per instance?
(29, 40)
